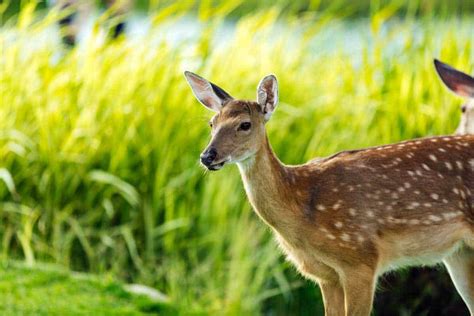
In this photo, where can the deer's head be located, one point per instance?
(238, 127)
(462, 85)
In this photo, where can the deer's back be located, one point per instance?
(413, 199)
(425, 179)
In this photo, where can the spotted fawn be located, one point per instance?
(348, 218)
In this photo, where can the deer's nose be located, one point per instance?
(208, 156)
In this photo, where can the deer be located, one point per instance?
(462, 85)
(346, 219)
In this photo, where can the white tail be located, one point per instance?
(346, 219)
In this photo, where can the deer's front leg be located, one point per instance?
(359, 287)
(333, 296)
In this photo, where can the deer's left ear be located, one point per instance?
(209, 94)
(457, 81)
(267, 95)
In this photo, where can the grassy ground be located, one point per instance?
(51, 290)
(99, 145)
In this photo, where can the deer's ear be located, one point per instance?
(267, 95)
(210, 95)
(457, 81)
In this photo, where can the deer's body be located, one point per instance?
(345, 219)
(383, 202)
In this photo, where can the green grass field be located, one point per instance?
(99, 145)
(51, 290)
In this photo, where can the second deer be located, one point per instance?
(346, 219)
(462, 85)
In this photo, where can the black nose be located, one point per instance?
(208, 156)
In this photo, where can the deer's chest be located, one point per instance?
(306, 259)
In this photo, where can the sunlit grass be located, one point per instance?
(51, 290)
(99, 145)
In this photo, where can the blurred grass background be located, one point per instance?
(99, 144)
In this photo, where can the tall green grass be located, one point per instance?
(99, 146)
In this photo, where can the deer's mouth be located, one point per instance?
(216, 166)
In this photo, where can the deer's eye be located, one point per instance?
(245, 126)
(463, 108)
(210, 124)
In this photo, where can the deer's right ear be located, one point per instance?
(210, 95)
(457, 81)
(267, 95)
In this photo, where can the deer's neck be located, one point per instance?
(265, 181)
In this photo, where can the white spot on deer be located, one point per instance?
(331, 236)
(320, 207)
(352, 211)
(433, 140)
(425, 166)
(401, 189)
(345, 237)
(360, 238)
(440, 175)
(351, 188)
(471, 163)
(413, 222)
(445, 201)
(434, 218)
(434, 196)
(381, 203)
(394, 195)
(418, 172)
(449, 165)
(456, 191)
(370, 214)
(449, 215)
(416, 192)
(338, 224)
(381, 221)
(407, 185)
(427, 204)
(459, 164)
(336, 206)
(442, 150)
(433, 157)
